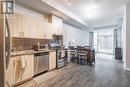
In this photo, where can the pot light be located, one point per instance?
(89, 11)
(69, 2)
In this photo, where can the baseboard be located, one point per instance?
(128, 69)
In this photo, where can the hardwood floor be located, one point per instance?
(102, 74)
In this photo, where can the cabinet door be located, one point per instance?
(52, 60)
(57, 30)
(17, 69)
(43, 31)
(16, 25)
(27, 67)
(48, 30)
(20, 68)
(32, 27)
(13, 73)
(60, 30)
(54, 29)
(10, 72)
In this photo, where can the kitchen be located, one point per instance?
(25, 62)
(47, 45)
(37, 42)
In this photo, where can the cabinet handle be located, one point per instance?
(22, 34)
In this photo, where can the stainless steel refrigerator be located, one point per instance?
(5, 48)
(2, 51)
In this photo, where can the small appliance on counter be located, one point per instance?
(41, 47)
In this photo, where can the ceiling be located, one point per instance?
(47, 7)
(104, 12)
(94, 13)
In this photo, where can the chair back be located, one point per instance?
(71, 47)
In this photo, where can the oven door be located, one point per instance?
(61, 54)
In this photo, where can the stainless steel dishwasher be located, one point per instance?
(41, 62)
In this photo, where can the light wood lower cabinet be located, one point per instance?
(10, 72)
(52, 60)
(20, 69)
(27, 67)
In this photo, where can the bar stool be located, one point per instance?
(91, 56)
(82, 53)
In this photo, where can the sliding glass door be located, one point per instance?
(104, 41)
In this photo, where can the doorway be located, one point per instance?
(104, 43)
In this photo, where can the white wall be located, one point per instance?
(126, 37)
(78, 36)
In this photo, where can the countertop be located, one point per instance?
(29, 52)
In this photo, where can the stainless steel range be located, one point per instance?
(61, 55)
(61, 58)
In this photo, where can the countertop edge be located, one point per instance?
(31, 53)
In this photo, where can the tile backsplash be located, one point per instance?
(27, 43)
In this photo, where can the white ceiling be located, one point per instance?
(106, 12)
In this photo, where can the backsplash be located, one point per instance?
(27, 43)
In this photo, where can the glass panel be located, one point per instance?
(103, 41)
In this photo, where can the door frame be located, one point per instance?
(98, 45)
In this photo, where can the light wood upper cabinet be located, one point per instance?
(43, 30)
(58, 23)
(32, 27)
(52, 60)
(48, 30)
(26, 26)
(16, 25)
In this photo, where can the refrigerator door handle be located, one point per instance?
(9, 42)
